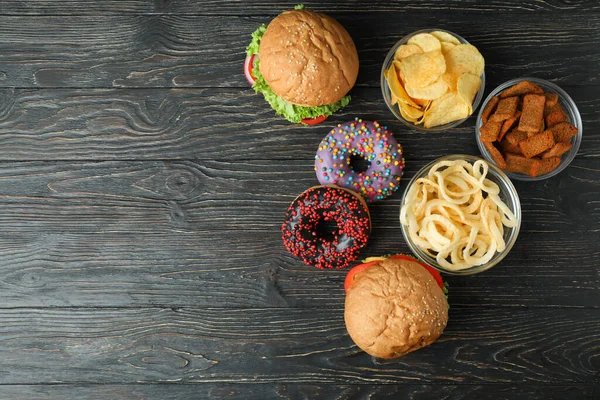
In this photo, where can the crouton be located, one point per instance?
(489, 131)
(523, 165)
(547, 165)
(555, 117)
(563, 132)
(508, 125)
(557, 150)
(489, 108)
(496, 155)
(507, 147)
(533, 112)
(515, 136)
(537, 144)
(506, 109)
(523, 87)
(551, 99)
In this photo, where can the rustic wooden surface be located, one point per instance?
(143, 186)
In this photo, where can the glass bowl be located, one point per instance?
(388, 97)
(569, 108)
(508, 194)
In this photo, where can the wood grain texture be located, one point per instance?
(160, 233)
(253, 270)
(208, 124)
(235, 8)
(292, 346)
(287, 391)
(143, 186)
(202, 51)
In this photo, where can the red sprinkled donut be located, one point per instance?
(347, 227)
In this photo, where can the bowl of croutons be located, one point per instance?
(530, 128)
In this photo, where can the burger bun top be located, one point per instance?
(395, 307)
(308, 58)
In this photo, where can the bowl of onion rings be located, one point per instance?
(460, 214)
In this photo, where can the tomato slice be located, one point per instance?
(248, 65)
(436, 275)
(314, 121)
(359, 268)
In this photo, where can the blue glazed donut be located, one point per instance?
(367, 140)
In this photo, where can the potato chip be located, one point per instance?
(407, 50)
(430, 92)
(420, 70)
(397, 89)
(445, 37)
(406, 116)
(447, 108)
(467, 87)
(434, 78)
(465, 58)
(410, 113)
(425, 108)
(446, 47)
(426, 42)
(451, 80)
(422, 102)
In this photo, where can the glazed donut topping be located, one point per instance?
(326, 226)
(364, 140)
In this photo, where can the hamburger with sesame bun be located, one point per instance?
(394, 305)
(304, 63)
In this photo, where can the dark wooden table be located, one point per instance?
(143, 186)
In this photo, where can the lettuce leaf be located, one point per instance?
(255, 43)
(299, 7)
(289, 111)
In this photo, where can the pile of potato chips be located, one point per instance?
(434, 78)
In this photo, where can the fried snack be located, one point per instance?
(507, 147)
(489, 131)
(508, 125)
(489, 108)
(548, 108)
(537, 144)
(420, 70)
(557, 150)
(555, 116)
(496, 155)
(515, 136)
(548, 164)
(523, 87)
(506, 109)
(533, 139)
(563, 132)
(455, 214)
(436, 75)
(521, 164)
(407, 50)
(551, 99)
(532, 113)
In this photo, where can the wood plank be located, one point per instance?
(202, 7)
(221, 269)
(181, 233)
(274, 391)
(207, 196)
(172, 50)
(503, 346)
(206, 124)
